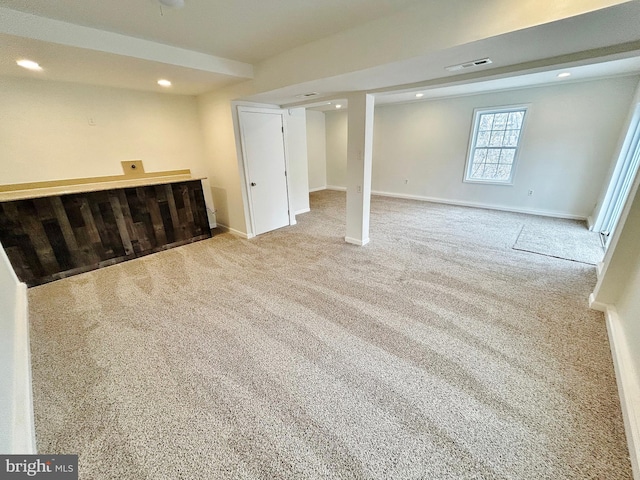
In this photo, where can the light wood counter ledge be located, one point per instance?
(133, 176)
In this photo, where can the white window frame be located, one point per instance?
(473, 137)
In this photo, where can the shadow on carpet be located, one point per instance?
(568, 240)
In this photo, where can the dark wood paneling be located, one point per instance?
(50, 238)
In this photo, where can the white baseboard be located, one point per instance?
(355, 241)
(304, 210)
(628, 388)
(541, 213)
(601, 307)
(224, 228)
(311, 190)
(590, 223)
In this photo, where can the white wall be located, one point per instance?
(218, 120)
(298, 174)
(316, 150)
(628, 309)
(17, 435)
(617, 293)
(45, 132)
(336, 148)
(570, 134)
(219, 124)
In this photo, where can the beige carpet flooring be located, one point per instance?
(435, 352)
(567, 239)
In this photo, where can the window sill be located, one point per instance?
(488, 182)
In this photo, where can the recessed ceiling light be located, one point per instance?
(29, 64)
(164, 83)
(338, 106)
(419, 95)
(564, 75)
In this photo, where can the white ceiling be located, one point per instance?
(213, 43)
(625, 66)
(519, 58)
(613, 68)
(73, 64)
(456, 87)
(244, 30)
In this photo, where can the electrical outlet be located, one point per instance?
(530, 192)
(359, 188)
(406, 181)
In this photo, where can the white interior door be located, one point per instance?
(262, 138)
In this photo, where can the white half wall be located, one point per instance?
(316, 150)
(628, 308)
(628, 301)
(627, 342)
(570, 135)
(617, 293)
(17, 434)
(56, 130)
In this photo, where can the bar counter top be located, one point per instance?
(68, 187)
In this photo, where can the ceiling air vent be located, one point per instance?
(307, 95)
(465, 65)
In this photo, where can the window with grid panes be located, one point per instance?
(494, 145)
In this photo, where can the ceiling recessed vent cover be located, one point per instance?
(307, 95)
(172, 3)
(465, 65)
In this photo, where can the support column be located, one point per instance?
(359, 160)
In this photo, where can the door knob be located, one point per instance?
(253, 184)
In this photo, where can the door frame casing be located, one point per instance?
(624, 173)
(243, 166)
